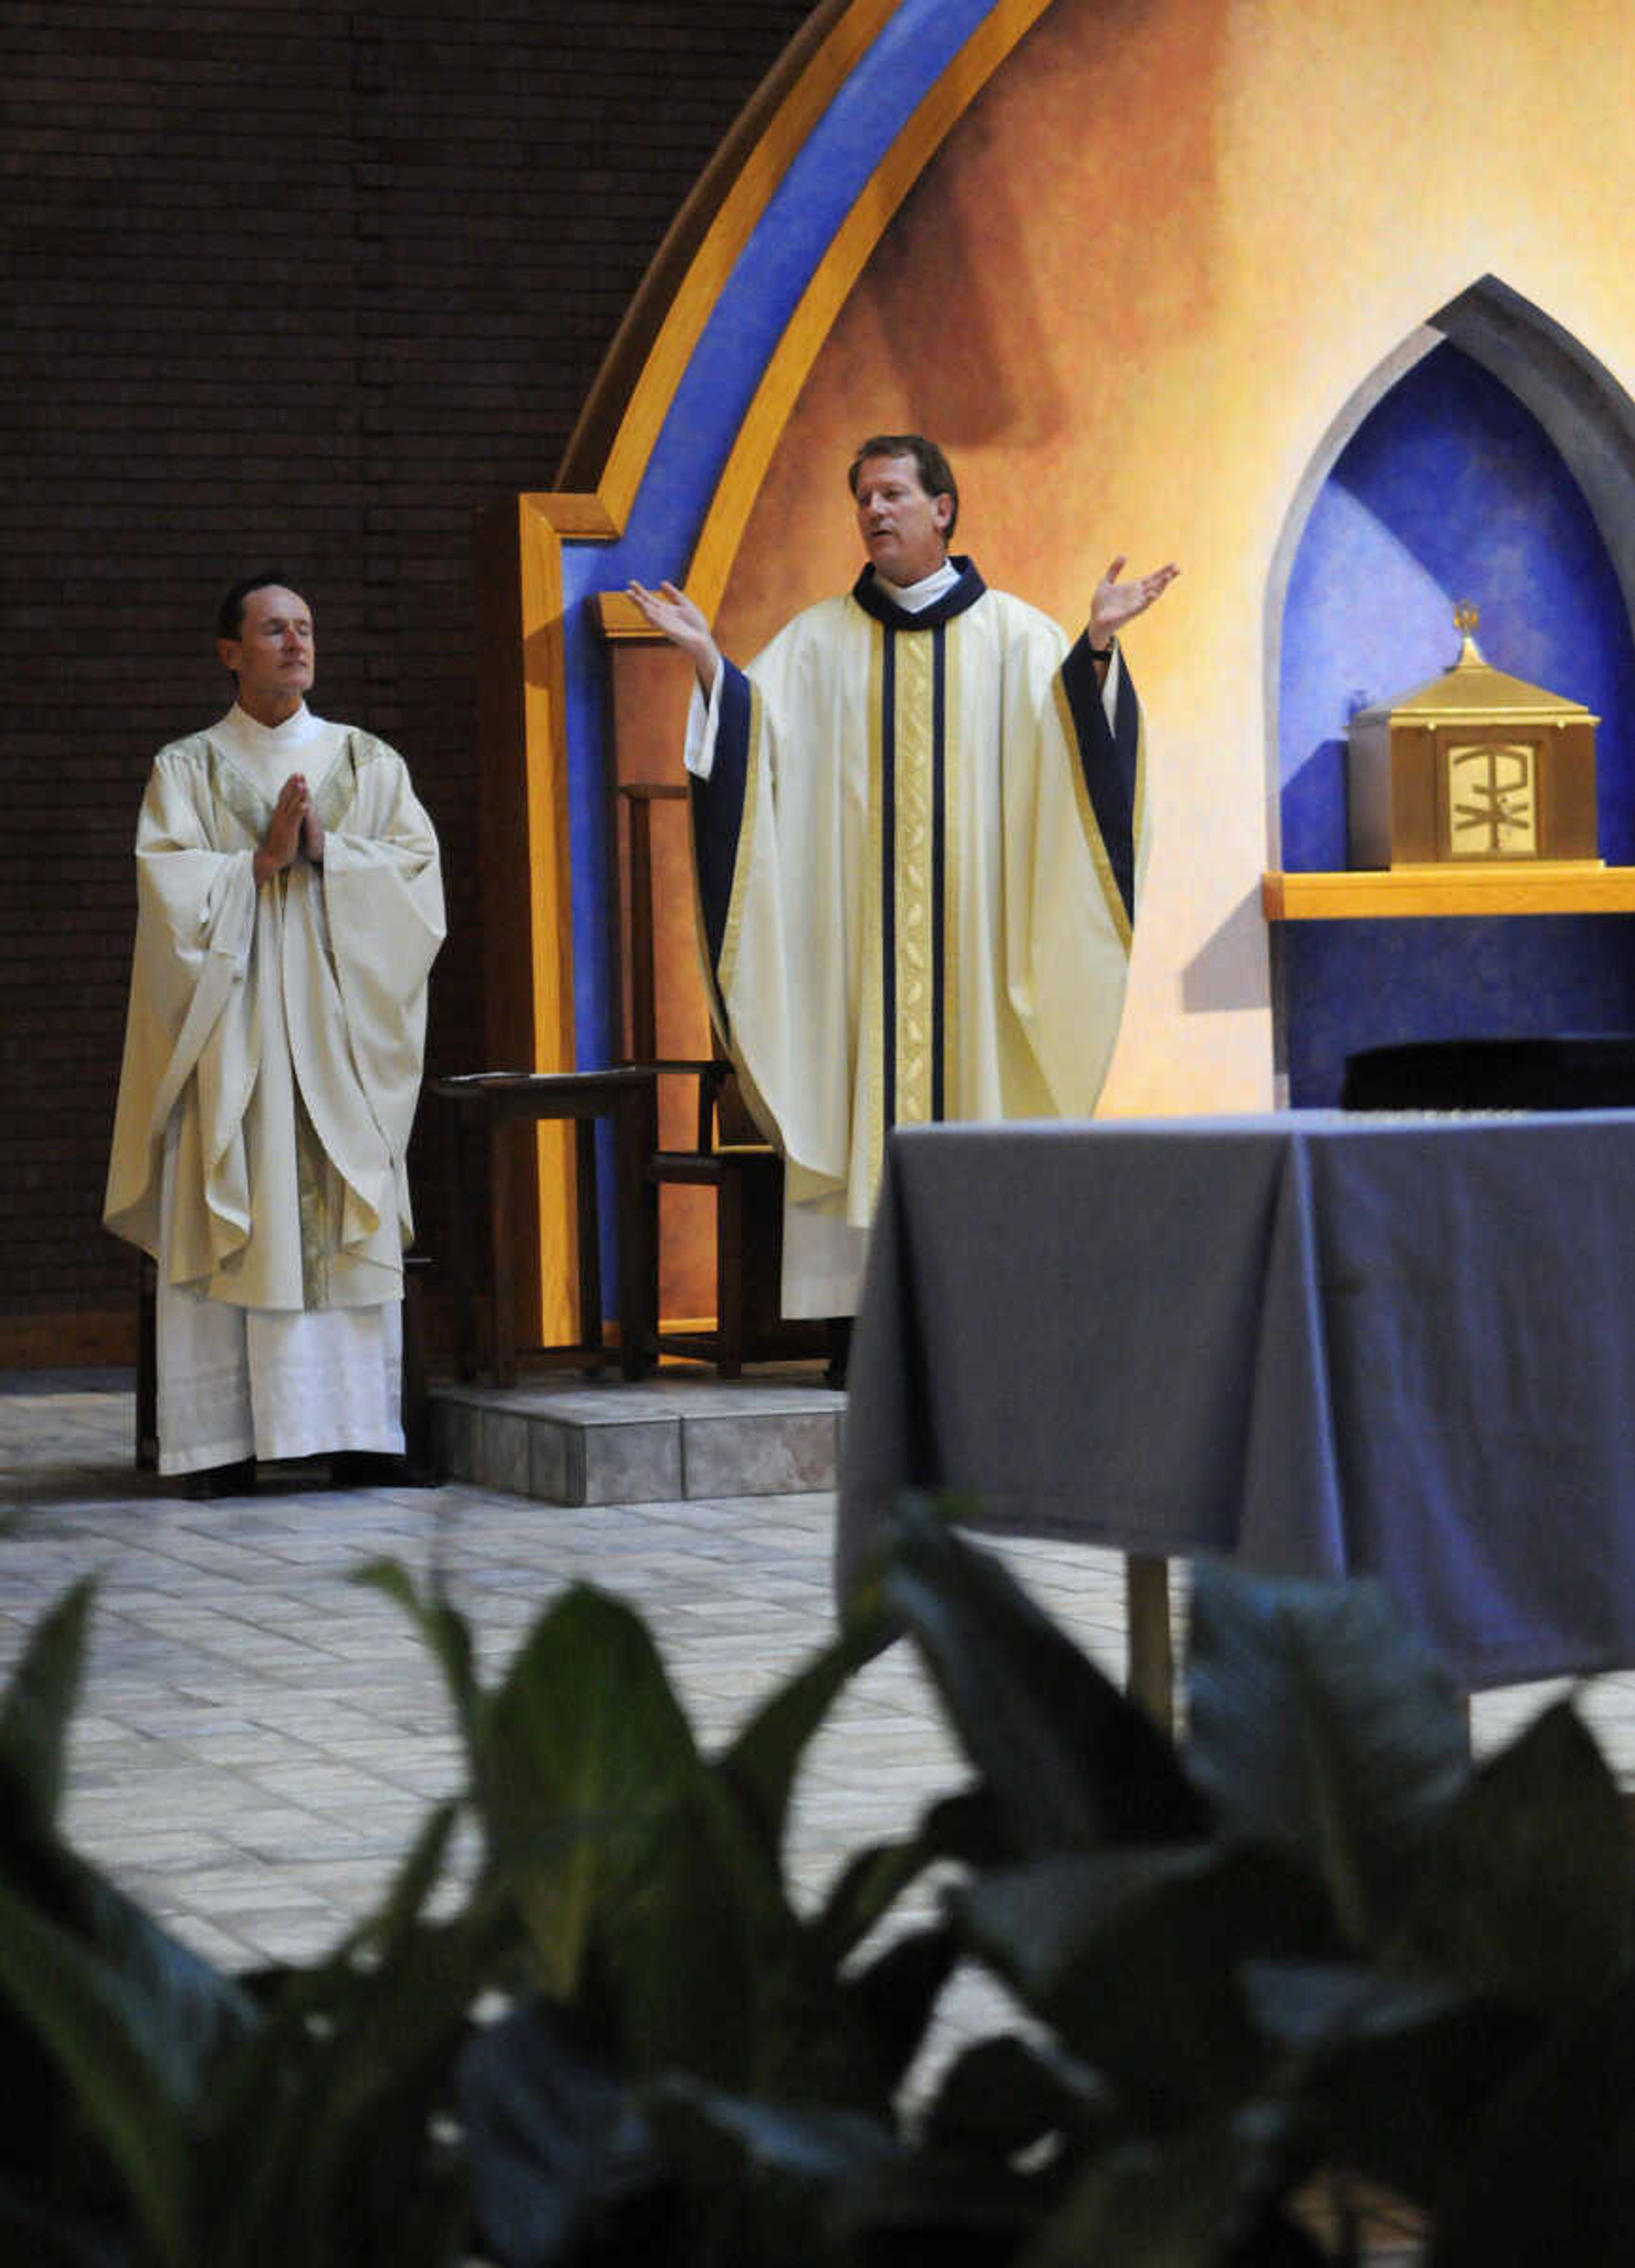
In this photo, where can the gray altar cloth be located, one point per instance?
(1323, 1345)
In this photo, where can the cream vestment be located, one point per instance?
(271, 1069)
(918, 838)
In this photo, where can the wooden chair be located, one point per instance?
(728, 1155)
(495, 1111)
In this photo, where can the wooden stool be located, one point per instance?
(419, 1451)
(491, 1105)
(728, 1156)
(147, 1365)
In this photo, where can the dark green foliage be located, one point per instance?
(1064, 1759)
(1320, 1728)
(562, 2158)
(1315, 1941)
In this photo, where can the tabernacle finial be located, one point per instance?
(1465, 620)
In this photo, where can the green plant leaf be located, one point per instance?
(49, 2236)
(40, 1700)
(185, 2015)
(761, 2181)
(1528, 1887)
(1307, 2006)
(866, 1887)
(444, 1629)
(932, 2210)
(692, 1949)
(621, 1846)
(1207, 2198)
(97, 2029)
(1068, 1760)
(1320, 1725)
(1387, 2072)
(755, 2006)
(960, 1827)
(319, 2144)
(417, 1877)
(895, 1996)
(1007, 2095)
(584, 1748)
(1548, 2171)
(969, 1826)
(557, 2148)
(181, 2013)
(763, 1758)
(1134, 1956)
(177, 2017)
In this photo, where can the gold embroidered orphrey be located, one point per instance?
(1475, 766)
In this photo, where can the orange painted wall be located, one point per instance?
(1130, 296)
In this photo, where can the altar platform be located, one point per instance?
(682, 1435)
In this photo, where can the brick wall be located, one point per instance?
(296, 286)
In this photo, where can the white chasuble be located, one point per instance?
(919, 842)
(273, 1046)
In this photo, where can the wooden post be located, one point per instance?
(1151, 1673)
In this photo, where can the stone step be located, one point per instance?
(680, 1435)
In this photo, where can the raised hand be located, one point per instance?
(672, 613)
(1117, 603)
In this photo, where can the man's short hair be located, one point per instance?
(230, 613)
(936, 473)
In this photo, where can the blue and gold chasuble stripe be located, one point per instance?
(906, 938)
(911, 1007)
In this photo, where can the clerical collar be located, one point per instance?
(965, 587)
(914, 598)
(295, 729)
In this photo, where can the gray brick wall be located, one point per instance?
(298, 286)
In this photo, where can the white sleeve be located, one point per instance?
(1109, 691)
(702, 721)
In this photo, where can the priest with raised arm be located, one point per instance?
(290, 904)
(918, 828)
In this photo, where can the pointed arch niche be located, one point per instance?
(1492, 458)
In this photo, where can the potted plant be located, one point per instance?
(1314, 1941)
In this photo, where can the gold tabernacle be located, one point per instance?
(1474, 766)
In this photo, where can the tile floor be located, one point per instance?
(259, 1733)
(260, 1736)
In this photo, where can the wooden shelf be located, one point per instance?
(1410, 891)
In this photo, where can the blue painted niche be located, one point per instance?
(1449, 490)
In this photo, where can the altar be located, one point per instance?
(1319, 1345)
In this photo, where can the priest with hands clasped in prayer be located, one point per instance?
(919, 831)
(289, 905)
